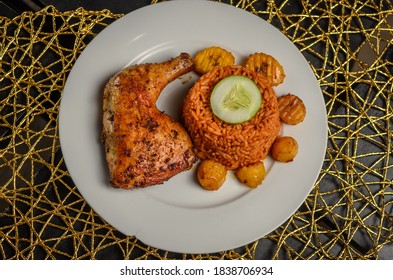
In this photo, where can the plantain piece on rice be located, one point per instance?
(268, 65)
(208, 58)
(291, 108)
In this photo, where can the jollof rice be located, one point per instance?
(233, 145)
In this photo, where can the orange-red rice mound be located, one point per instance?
(233, 145)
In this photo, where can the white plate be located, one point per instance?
(179, 215)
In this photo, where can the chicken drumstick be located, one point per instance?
(144, 146)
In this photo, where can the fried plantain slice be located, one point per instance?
(268, 65)
(291, 108)
(208, 58)
(284, 149)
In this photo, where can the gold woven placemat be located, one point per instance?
(348, 214)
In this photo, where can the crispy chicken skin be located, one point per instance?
(144, 146)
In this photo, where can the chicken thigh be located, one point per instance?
(143, 145)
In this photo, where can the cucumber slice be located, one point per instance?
(235, 99)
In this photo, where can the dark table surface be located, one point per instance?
(13, 8)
